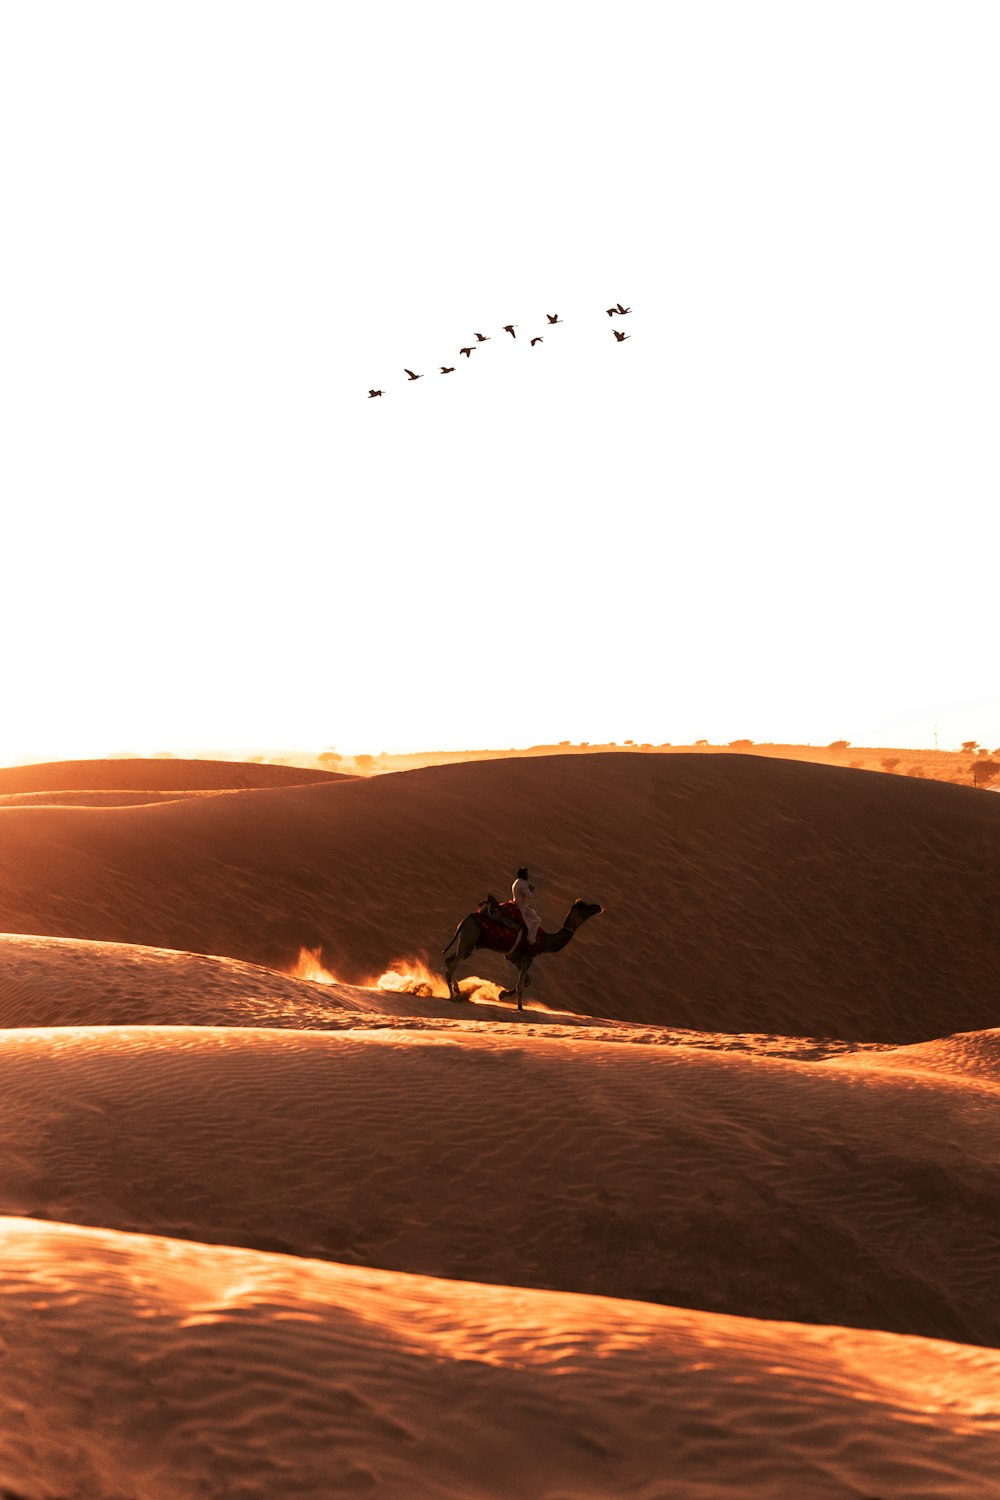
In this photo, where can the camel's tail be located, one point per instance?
(454, 938)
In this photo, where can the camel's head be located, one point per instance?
(582, 911)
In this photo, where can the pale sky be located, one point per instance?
(771, 513)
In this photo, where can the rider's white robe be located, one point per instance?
(523, 896)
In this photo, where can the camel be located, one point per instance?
(474, 932)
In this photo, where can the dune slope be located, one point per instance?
(197, 1371)
(740, 894)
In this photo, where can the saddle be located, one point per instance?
(501, 913)
(503, 925)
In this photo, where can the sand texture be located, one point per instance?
(185, 1371)
(280, 1219)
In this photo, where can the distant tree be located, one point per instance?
(739, 744)
(329, 757)
(364, 762)
(630, 742)
(563, 744)
(838, 744)
(969, 745)
(701, 742)
(890, 763)
(984, 771)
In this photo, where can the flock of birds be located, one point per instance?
(484, 338)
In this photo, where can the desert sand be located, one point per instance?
(268, 1234)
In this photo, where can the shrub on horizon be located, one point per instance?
(838, 744)
(984, 771)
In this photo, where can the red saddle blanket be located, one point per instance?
(502, 924)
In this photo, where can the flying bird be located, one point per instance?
(373, 393)
(622, 310)
(620, 336)
(466, 352)
(509, 328)
(611, 311)
(411, 374)
(447, 369)
(535, 341)
(483, 338)
(554, 318)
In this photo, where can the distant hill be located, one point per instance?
(168, 774)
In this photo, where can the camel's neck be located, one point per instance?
(554, 941)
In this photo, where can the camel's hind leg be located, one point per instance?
(466, 945)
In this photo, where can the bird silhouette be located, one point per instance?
(554, 318)
(622, 310)
(611, 311)
(536, 340)
(373, 393)
(620, 336)
(466, 352)
(411, 374)
(483, 338)
(509, 328)
(447, 369)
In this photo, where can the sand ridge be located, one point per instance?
(153, 774)
(211, 1370)
(728, 1181)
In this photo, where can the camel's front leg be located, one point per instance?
(522, 979)
(465, 947)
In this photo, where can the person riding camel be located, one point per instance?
(523, 895)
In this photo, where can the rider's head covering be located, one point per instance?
(522, 873)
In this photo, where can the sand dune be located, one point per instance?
(161, 1078)
(151, 1367)
(859, 1194)
(740, 894)
(151, 774)
(70, 982)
